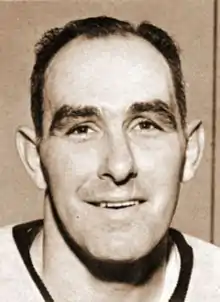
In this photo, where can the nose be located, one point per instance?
(118, 161)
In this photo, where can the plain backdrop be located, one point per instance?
(22, 24)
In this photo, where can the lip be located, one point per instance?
(122, 204)
(116, 217)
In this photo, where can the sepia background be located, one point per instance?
(193, 24)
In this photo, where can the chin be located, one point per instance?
(118, 248)
(118, 253)
(114, 264)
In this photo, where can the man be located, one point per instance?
(111, 147)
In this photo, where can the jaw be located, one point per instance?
(110, 280)
(133, 272)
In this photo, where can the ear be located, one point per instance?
(27, 149)
(194, 149)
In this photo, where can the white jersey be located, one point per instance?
(193, 272)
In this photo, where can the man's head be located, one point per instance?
(112, 145)
(101, 27)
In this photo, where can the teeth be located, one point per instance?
(116, 205)
(103, 205)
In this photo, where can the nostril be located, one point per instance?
(118, 162)
(120, 181)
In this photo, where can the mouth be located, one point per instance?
(117, 205)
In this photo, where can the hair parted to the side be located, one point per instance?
(54, 39)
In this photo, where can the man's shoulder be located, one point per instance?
(205, 254)
(4, 230)
(7, 244)
(205, 279)
(10, 261)
(15, 281)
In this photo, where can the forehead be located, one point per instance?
(111, 72)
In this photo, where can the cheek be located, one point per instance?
(160, 165)
(159, 158)
(68, 165)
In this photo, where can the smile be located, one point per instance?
(116, 205)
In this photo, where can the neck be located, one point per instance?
(72, 275)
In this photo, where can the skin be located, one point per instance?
(112, 151)
(111, 76)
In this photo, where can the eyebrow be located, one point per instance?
(67, 111)
(156, 106)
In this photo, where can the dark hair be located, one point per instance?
(54, 39)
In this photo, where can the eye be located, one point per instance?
(80, 130)
(146, 126)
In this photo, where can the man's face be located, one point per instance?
(113, 147)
